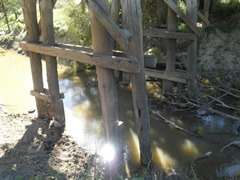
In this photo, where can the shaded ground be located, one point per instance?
(31, 147)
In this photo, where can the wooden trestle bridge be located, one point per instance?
(105, 30)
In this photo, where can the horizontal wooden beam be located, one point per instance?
(42, 96)
(120, 35)
(130, 65)
(203, 18)
(149, 61)
(171, 76)
(46, 91)
(162, 33)
(184, 17)
(45, 97)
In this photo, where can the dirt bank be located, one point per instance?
(31, 147)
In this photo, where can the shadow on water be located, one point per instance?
(28, 154)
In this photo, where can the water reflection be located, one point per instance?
(171, 148)
(164, 159)
(189, 148)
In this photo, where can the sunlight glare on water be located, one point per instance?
(163, 158)
(189, 148)
(108, 152)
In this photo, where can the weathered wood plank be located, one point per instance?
(40, 21)
(120, 35)
(132, 20)
(106, 81)
(171, 49)
(192, 51)
(30, 19)
(56, 107)
(203, 18)
(119, 63)
(42, 96)
(115, 10)
(170, 76)
(184, 17)
(149, 61)
(162, 33)
(206, 8)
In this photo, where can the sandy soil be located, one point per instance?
(32, 147)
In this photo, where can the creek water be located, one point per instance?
(172, 149)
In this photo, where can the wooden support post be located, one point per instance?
(192, 50)
(206, 10)
(115, 9)
(30, 18)
(171, 49)
(57, 110)
(132, 20)
(106, 81)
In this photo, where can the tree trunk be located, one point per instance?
(5, 15)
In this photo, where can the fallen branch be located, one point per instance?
(232, 143)
(211, 110)
(173, 124)
(204, 156)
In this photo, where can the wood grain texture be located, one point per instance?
(163, 33)
(132, 20)
(203, 18)
(75, 53)
(30, 19)
(192, 51)
(120, 35)
(56, 108)
(171, 49)
(40, 21)
(170, 76)
(106, 81)
(184, 17)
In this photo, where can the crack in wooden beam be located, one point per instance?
(120, 35)
(184, 17)
(125, 64)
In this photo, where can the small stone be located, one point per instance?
(30, 111)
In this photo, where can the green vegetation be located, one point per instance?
(225, 8)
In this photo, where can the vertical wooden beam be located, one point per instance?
(102, 43)
(132, 21)
(171, 49)
(206, 8)
(115, 9)
(46, 11)
(192, 50)
(30, 18)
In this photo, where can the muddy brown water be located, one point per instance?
(172, 149)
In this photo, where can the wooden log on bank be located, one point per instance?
(30, 19)
(132, 20)
(171, 49)
(56, 107)
(192, 51)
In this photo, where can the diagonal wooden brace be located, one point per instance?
(120, 35)
(184, 17)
